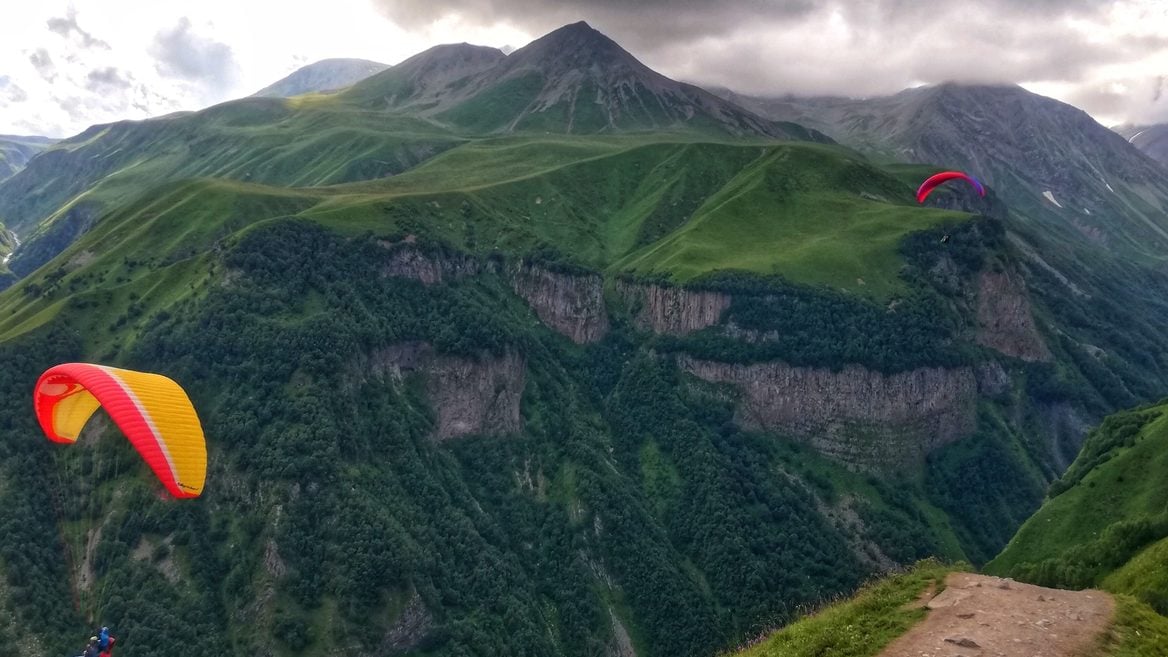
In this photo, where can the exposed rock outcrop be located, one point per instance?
(1005, 319)
(573, 305)
(621, 645)
(160, 554)
(675, 310)
(409, 630)
(408, 261)
(469, 396)
(992, 379)
(861, 417)
(1067, 431)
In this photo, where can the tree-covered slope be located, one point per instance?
(625, 506)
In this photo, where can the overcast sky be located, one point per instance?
(66, 65)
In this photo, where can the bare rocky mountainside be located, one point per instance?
(1151, 139)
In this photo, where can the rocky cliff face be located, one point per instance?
(476, 397)
(571, 305)
(1004, 317)
(863, 418)
(409, 631)
(469, 396)
(674, 310)
(407, 261)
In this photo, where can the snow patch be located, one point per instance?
(1133, 137)
(1109, 187)
(1050, 197)
(1086, 210)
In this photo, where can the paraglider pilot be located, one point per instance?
(105, 643)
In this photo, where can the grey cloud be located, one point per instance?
(106, 79)
(650, 23)
(1104, 101)
(43, 64)
(642, 24)
(839, 47)
(10, 92)
(182, 53)
(74, 106)
(1135, 100)
(68, 26)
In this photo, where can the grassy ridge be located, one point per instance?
(793, 211)
(811, 213)
(815, 214)
(142, 258)
(1137, 631)
(266, 140)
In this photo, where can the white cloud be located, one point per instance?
(73, 64)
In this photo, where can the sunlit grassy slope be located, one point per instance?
(814, 214)
(287, 142)
(141, 258)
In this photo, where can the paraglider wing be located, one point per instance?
(933, 181)
(153, 411)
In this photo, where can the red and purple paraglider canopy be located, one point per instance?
(935, 180)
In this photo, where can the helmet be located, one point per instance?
(104, 628)
(93, 638)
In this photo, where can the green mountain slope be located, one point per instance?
(573, 80)
(308, 141)
(15, 152)
(626, 206)
(1105, 522)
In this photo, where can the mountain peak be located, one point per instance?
(575, 45)
(578, 25)
(325, 75)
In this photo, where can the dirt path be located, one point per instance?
(985, 616)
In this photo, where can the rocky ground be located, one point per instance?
(985, 616)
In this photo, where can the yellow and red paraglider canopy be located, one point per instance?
(152, 410)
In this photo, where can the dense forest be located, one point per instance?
(631, 506)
